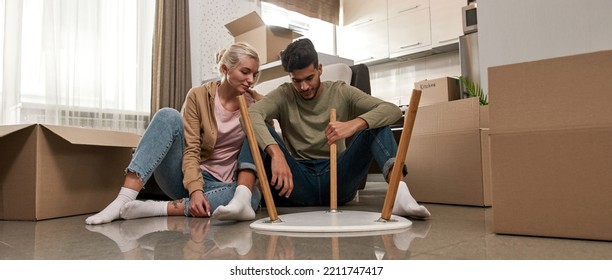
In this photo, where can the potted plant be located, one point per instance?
(474, 90)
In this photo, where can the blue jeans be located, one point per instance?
(160, 152)
(311, 178)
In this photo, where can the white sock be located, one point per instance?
(402, 241)
(240, 241)
(138, 228)
(111, 212)
(239, 208)
(113, 232)
(140, 209)
(406, 205)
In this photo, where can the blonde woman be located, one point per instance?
(195, 154)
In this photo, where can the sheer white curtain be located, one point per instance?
(77, 62)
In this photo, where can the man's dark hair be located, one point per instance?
(299, 55)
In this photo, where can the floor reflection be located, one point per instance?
(202, 239)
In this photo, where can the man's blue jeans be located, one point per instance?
(311, 178)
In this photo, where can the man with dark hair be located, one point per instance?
(298, 165)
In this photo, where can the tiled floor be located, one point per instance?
(452, 233)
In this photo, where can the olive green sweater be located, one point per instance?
(303, 122)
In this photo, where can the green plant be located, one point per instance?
(474, 90)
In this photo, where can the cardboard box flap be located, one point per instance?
(95, 137)
(253, 20)
(452, 116)
(244, 24)
(8, 129)
(284, 32)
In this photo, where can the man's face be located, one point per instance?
(307, 81)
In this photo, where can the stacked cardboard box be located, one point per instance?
(51, 171)
(448, 154)
(551, 147)
(438, 90)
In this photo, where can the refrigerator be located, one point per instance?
(468, 56)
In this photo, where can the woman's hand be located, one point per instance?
(198, 205)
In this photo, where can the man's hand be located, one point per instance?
(336, 131)
(282, 178)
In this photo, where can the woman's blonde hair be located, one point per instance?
(230, 56)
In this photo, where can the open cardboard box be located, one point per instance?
(268, 40)
(51, 171)
(448, 155)
(438, 90)
(551, 147)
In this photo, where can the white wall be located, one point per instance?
(394, 81)
(526, 30)
(208, 33)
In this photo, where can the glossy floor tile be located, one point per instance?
(452, 233)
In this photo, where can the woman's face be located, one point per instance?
(243, 75)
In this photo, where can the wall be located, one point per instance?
(526, 30)
(208, 33)
(394, 81)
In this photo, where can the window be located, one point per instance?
(78, 63)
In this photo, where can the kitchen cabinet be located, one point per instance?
(399, 7)
(363, 36)
(375, 31)
(358, 12)
(446, 18)
(409, 27)
(364, 43)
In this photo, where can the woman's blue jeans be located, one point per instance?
(311, 178)
(160, 152)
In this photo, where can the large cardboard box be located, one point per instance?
(448, 155)
(51, 171)
(438, 90)
(551, 147)
(269, 41)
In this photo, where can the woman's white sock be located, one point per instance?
(238, 209)
(111, 212)
(140, 209)
(133, 230)
(406, 205)
(113, 232)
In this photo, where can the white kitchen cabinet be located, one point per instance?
(364, 43)
(376, 30)
(400, 7)
(359, 12)
(409, 32)
(363, 36)
(446, 21)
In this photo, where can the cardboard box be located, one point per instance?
(448, 155)
(269, 41)
(53, 171)
(438, 90)
(551, 147)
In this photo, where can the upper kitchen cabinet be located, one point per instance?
(409, 27)
(373, 31)
(446, 20)
(363, 35)
(358, 12)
